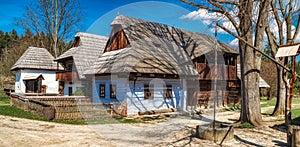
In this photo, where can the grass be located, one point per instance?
(245, 125)
(267, 103)
(232, 108)
(16, 112)
(4, 101)
(7, 110)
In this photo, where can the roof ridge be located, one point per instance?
(85, 34)
(36, 58)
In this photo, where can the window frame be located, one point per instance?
(148, 92)
(113, 93)
(102, 93)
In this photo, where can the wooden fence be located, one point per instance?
(69, 107)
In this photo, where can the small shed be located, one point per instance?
(36, 72)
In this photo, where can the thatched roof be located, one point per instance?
(262, 82)
(156, 48)
(36, 58)
(84, 55)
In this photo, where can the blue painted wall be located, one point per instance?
(133, 93)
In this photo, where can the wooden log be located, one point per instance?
(293, 139)
(157, 111)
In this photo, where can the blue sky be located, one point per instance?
(99, 14)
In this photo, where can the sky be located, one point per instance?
(92, 9)
(98, 14)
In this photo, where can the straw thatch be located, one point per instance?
(36, 58)
(155, 48)
(84, 56)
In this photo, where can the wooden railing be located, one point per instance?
(224, 72)
(67, 76)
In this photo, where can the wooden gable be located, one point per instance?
(117, 40)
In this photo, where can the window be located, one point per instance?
(168, 92)
(31, 86)
(69, 66)
(70, 91)
(148, 92)
(113, 91)
(102, 90)
(229, 60)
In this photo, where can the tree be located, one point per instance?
(56, 19)
(282, 13)
(250, 31)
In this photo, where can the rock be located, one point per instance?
(222, 132)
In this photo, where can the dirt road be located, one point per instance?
(172, 132)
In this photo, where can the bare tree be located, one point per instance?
(282, 13)
(249, 22)
(58, 19)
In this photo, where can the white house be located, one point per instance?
(36, 72)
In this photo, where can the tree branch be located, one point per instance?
(278, 21)
(221, 10)
(229, 17)
(202, 7)
(227, 2)
(255, 48)
(297, 29)
(272, 41)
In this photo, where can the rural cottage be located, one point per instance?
(36, 72)
(151, 66)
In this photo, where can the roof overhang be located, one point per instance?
(288, 50)
(32, 77)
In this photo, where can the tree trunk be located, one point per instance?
(281, 91)
(251, 60)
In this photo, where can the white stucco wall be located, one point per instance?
(133, 93)
(49, 76)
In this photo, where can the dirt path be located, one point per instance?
(173, 132)
(23, 132)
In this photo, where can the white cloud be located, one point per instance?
(209, 18)
(234, 43)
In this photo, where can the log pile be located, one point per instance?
(151, 112)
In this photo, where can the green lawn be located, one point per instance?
(6, 109)
(268, 103)
(295, 110)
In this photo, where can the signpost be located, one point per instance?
(285, 52)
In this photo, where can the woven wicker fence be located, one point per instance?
(69, 108)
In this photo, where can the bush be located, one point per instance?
(79, 91)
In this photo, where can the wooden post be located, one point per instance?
(294, 132)
(288, 112)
